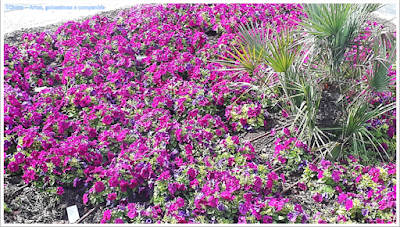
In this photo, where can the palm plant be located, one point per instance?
(333, 29)
(244, 59)
(379, 80)
(355, 132)
(331, 32)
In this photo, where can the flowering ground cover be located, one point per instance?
(143, 116)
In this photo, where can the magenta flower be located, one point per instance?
(247, 197)
(283, 178)
(133, 183)
(382, 205)
(123, 185)
(88, 72)
(349, 204)
(270, 184)
(119, 221)
(85, 198)
(313, 167)
(317, 198)
(172, 188)
(342, 197)
(281, 159)
(85, 101)
(287, 132)
(107, 215)
(285, 113)
(13, 167)
(19, 158)
(213, 201)
(273, 176)
(267, 219)
(112, 196)
(56, 160)
(339, 189)
(60, 190)
(242, 220)
(181, 202)
(92, 132)
(107, 120)
(113, 182)
(99, 186)
(336, 176)
(298, 208)
(320, 174)
(27, 141)
(302, 186)
(192, 173)
(257, 182)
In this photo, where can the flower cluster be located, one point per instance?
(361, 194)
(131, 113)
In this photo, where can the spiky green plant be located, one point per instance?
(355, 133)
(334, 28)
(244, 59)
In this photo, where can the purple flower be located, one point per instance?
(384, 145)
(390, 132)
(305, 218)
(267, 219)
(76, 182)
(243, 208)
(172, 188)
(292, 216)
(364, 212)
(220, 207)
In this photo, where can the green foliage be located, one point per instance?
(379, 81)
(334, 28)
(355, 132)
(246, 58)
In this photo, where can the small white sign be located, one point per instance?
(73, 214)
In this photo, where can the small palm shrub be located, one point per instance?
(325, 49)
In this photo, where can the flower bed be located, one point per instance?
(154, 139)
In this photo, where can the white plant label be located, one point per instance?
(73, 214)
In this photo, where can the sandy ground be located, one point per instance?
(28, 18)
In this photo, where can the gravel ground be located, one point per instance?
(15, 20)
(26, 202)
(18, 22)
(52, 20)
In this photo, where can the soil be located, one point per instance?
(28, 204)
